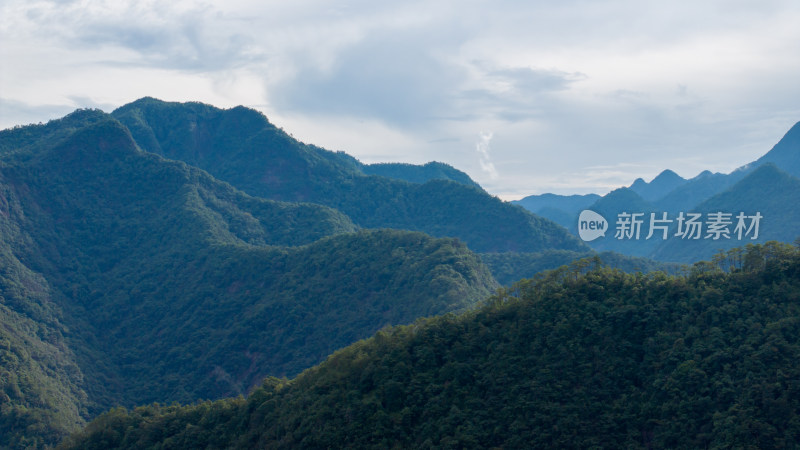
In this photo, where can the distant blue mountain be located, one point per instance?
(768, 184)
(766, 191)
(698, 189)
(785, 154)
(663, 184)
(568, 203)
(623, 200)
(561, 209)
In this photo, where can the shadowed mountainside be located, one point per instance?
(242, 147)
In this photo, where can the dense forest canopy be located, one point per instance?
(126, 278)
(580, 357)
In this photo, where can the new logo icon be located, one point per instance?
(591, 225)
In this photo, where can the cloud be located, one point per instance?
(180, 35)
(14, 112)
(528, 81)
(483, 151)
(684, 85)
(389, 75)
(515, 93)
(408, 79)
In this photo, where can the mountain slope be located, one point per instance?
(624, 200)
(508, 268)
(41, 397)
(561, 209)
(785, 154)
(127, 278)
(766, 190)
(241, 147)
(707, 192)
(697, 190)
(574, 359)
(666, 182)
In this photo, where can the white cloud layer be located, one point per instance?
(581, 96)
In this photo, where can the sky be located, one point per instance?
(526, 97)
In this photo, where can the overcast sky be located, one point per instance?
(526, 97)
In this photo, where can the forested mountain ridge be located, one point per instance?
(419, 174)
(241, 147)
(580, 357)
(509, 267)
(127, 278)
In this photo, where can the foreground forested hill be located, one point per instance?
(126, 278)
(581, 357)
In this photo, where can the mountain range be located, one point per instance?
(767, 186)
(240, 146)
(127, 278)
(176, 252)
